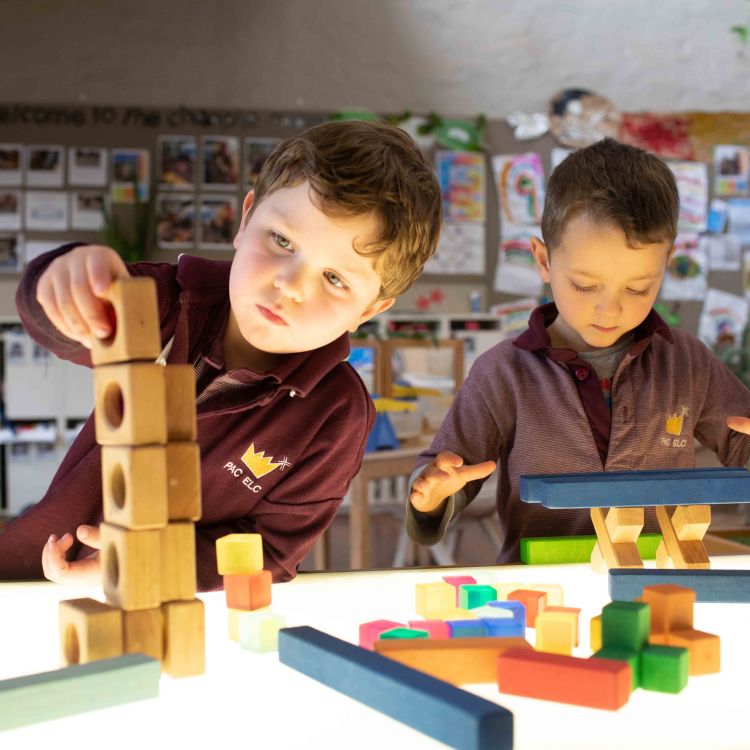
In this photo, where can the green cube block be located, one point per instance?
(631, 656)
(553, 550)
(473, 595)
(404, 633)
(626, 625)
(664, 668)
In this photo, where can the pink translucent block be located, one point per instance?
(456, 582)
(369, 632)
(436, 628)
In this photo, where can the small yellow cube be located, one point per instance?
(434, 597)
(556, 632)
(239, 554)
(596, 633)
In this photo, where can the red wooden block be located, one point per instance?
(534, 601)
(252, 591)
(457, 581)
(438, 629)
(596, 683)
(369, 632)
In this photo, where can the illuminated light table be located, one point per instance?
(253, 697)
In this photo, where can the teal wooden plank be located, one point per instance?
(709, 585)
(77, 689)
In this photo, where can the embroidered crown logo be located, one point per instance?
(258, 463)
(674, 422)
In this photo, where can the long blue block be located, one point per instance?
(439, 710)
(622, 489)
(709, 585)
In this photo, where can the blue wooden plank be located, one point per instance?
(709, 585)
(436, 708)
(620, 489)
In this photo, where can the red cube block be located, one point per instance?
(369, 632)
(248, 592)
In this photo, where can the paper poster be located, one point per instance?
(45, 166)
(738, 218)
(519, 179)
(130, 167)
(176, 162)
(462, 184)
(217, 222)
(723, 318)
(10, 209)
(731, 170)
(557, 156)
(11, 163)
(256, 151)
(11, 252)
(724, 252)
(87, 166)
(718, 213)
(46, 210)
(35, 248)
(88, 209)
(461, 249)
(175, 221)
(516, 272)
(514, 316)
(220, 161)
(692, 185)
(687, 270)
(746, 273)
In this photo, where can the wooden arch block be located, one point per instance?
(89, 630)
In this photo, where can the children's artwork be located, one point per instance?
(514, 316)
(692, 184)
(363, 357)
(718, 213)
(11, 163)
(217, 220)
(45, 166)
(516, 270)
(10, 209)
(130, 167)
(257, 150)
(558, 156)
(520, 187)
(665, 135)
(88, 209)
(687, 270)
(731, 170)
(462, 184)
(746, 273)
(176, 161)
(221, 160)
(723, 318)
(87, 166)
(461, 249)
(738, 214)
(724, 252)
(175, 221)
(46, 210)
(11, 252)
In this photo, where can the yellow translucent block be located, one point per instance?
(454, 613)
(233, 621)
(596, 633)
(434, 597)
(259, 631)
(554, 591)
(503, 589)
(556, 632)
(239, 554)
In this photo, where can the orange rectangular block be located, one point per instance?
(704, 649)
(459, 661)
(534, 601)
(180, 386)
(248, 592)
(142, 632)
(183, 481)
(596, 683)
(178, 573)
(671, 607)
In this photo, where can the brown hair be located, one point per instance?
(357, 168)
(611, 183)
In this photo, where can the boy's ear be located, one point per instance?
(541, 258)
(377, 307)
(247, 204)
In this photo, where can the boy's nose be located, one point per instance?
(290, 285)
(609, 306)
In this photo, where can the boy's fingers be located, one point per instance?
(74, 327)
(740, 424)
(89, 535)
(447, 461)
(102, 269)
(477, 471)
(90, 307)
(433, 474)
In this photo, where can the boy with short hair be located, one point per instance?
(591, 384)
(342, 220)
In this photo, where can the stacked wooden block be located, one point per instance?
(146, 424)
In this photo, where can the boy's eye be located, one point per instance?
(281, 241)
(639, 292)
(335, 280)
(582, 288)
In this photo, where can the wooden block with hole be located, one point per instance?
(131, 566)
(616, 531)
(134, 486)
(135, 318)
(178, 574)
(142, 632)
(89, 630)
(130, 403)
(184, 638)
(180, 387)
(683, 528)
(183, 481)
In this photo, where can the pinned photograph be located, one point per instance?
(731, 170)
(45, 166)
(46, 210)
(88, 210)
(177, 161)
(220, 161)
(10, 209)
(130, 167)
(257, 150)
(175, 221)
(217, 222)
(11, 253)
(11, 163)
(87, 166)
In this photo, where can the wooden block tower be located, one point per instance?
(146, 424)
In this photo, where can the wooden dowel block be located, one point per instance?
(89, 630)
(135, 317)
(142, 632)
(178, 571)
(130, 404)
(184, 638)
(180, 388)
(183, 481)
(134, 486)
(239, 554)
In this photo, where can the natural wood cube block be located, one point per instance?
(89, 630)
(248, 592)
(180, 385)
(183, 481)
(134, 486)
(671, 607)
(624, 524)
(691, 522)
(142, 632)
(131, 566)
(184, 638)
(130, 404)
(135, 318)
(240, 554)
(178, 575)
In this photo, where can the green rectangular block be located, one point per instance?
(77, 689)
(664, 668)
(629, 655)
(408, 633)
(626, 625)
(553, 550)
(473, 595)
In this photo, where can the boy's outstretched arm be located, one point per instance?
(59, 569)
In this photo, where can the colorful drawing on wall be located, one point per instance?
(692, 184)
(723, 318)
(462, 184)
(519, 179)
(87, 166)
(217, 222)
(175, 221)
(718, 213)
(687, 271)
(724, 252)
(257, 150)
(45, 166)
(665, 135)
(516, 272)
(461, 249)
(738, 218)
(746, 273)
(514, 316)
(11, 163)
(130, 166)
(731, 170)
(578, 117)
(220, 160)
(176, 165)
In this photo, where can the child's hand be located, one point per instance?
(73, 288)
(56, 566)
(442, 478)
(740, 424)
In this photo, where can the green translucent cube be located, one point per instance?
(473, 595)
(622, 654)
(404, 633)
(626, 625)
(664, 668)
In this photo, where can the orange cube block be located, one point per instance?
(704, 649)
(534, 601)
(248, 592)
(671, 607)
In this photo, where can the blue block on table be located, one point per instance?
(709, 585)
(518, 609)
(467, 628)
(504, 627)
